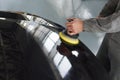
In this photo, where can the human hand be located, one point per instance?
(74, 26)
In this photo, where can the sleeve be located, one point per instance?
(108, 24)
(109, 8)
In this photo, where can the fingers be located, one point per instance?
(74, 26)
(70, 29)
(70, 19)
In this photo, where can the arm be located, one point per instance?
(108, 24)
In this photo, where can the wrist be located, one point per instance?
(86, 26)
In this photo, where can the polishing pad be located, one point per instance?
(68, 40)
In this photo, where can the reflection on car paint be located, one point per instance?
(63, 68)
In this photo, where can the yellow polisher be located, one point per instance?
(68, 39)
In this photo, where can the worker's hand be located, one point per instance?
(74, 26)
(64, 50)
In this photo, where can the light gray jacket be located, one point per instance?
(110, 23)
